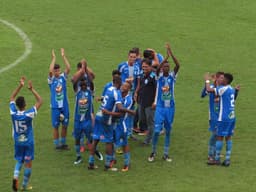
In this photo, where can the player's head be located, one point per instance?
(148, 54)
(117, 82)
(56, 70)
(219, 76)
(20, 102)
(83, 84)
(126, 87)
(146, 65)
(116, 72)
(166, 67)
(131, 56)
(228, 78)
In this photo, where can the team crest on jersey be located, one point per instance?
(58, 88)
(146, 81)
(83, 101)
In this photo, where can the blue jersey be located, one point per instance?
(128, 72)
(58, 89)
(165, 90)
(83, 106)
(227, 103)
(22, 125)
(111, 98)
(213, 103)
(126, 120)
(109, 84)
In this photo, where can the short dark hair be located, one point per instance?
(219, 73)
(56, 66)
(147, 61)
(136, 50)
(131, 52)
(148, 54)
(116, 72)
(228, 77)
(20, 102)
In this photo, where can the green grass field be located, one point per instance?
(205, 36)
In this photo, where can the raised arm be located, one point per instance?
(17, 90)
(66, 62)
(39, 100)
(237, 89)
(207, 78)
(176, 62)
(52, 64)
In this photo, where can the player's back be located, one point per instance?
(227, 103)
(22, 125)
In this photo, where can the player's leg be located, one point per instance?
(65, 123)
(150, 115)
(231, 127)
(168, 116)
(29, 157)
(18, 155)
(55, 113)
(77, 133)
(219, 145)
(212, 140)
(127, 157)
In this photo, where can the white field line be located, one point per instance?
(27, 43)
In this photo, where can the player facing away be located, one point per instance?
(84, 118)
(123, 125)
(226, 117)
(213, 112)
(23, 134)
(59, 101)
(164, 104)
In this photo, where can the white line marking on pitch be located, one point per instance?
(27, 43)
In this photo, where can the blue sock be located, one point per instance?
(127, 158)
(63, 140)
(56, 142)
(17, 169)
(167, 142)
(228, 149)
(212, 145)
(154, 141)
(219, 145)
(77, 149)
(27, 173)
(109, 158)
(91, 159)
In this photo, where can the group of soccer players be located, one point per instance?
(142, 86)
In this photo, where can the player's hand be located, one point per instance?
(22, 81)
(30, 86)
(237, 87)
(104, 111)
(62, 52)
(153, 106)
(168, 47)
(53, 54)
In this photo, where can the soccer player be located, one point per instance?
(124, 123)
(104, 127)
(164, 104)
(226, 117)
(59, 100)
(213, 112)
(130, 70)
(23, 133)
(84, 118)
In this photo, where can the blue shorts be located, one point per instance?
(212, 125)
(82, 128)
(56, 112)
(225, 128)
(121, 135)
(24, 153)
(164, 118)
(102, 131)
